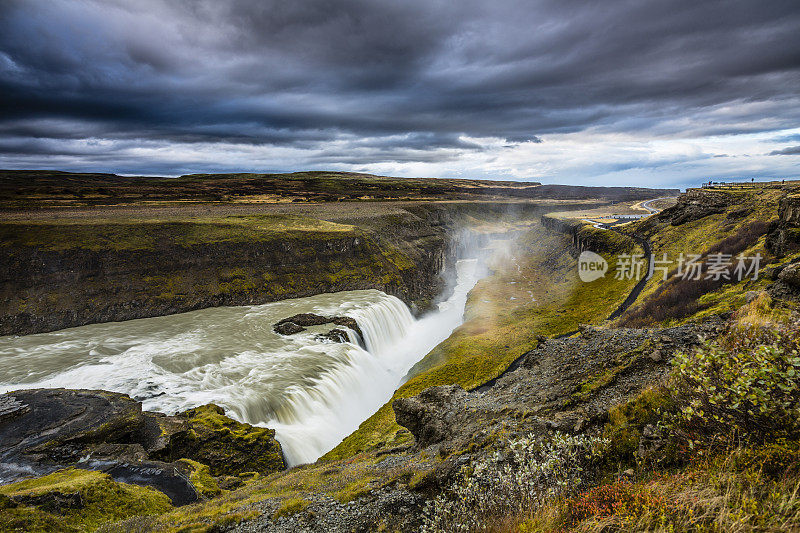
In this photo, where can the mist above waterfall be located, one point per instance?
(312, 392)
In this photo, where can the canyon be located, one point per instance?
(522, 351)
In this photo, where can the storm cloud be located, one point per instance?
(792, 150)
(161, 86)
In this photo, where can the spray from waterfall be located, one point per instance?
(311, 391)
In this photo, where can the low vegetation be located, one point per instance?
(745, 387)
(680, 296)
(146, 234)
(74, 500)
(525, 475)
(738, 227)
(714, 448)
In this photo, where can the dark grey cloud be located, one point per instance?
(385, 80)
(523, 139)
(792, 150)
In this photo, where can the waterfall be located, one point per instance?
(316, 418)
(312, 392)
(383, 324)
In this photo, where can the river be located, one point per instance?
(311, 391)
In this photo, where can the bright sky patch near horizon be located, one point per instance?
(645, 93)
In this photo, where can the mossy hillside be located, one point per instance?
(538, 293)
(608, 242)
(750, 211)
(733, 296)
(74, 500)
(694, 237)
(727, 299)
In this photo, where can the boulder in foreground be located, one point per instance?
(43, 431)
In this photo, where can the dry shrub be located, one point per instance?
(730, 492)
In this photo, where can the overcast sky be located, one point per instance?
(639, 92)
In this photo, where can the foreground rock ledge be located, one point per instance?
(44, 430)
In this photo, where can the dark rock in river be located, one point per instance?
(288, 328)
(334, 335)
(298, 323)
(44, 430)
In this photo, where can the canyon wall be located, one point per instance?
(55, 276)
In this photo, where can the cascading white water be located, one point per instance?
(383, 325)
(313, 393)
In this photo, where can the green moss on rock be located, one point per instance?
(228, 447)
(201, 479)
(74, 500)
(626, 421)
(291, 506)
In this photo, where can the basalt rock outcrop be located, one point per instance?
(785, 235)
(589, 238)
(298, 323)
(696, 204)
(787, 282)
(44, 430)
(44, 289)
(563, 384)
(429, 415)
(791, 275)
(229, 448)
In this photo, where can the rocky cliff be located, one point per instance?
(69, 273)
(785, 235)
(123, 271)
(586, 237)
(45, 289)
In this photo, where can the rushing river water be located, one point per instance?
(312, 392)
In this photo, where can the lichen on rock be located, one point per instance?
(74, 500)
(186, 456)
(228, 447)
